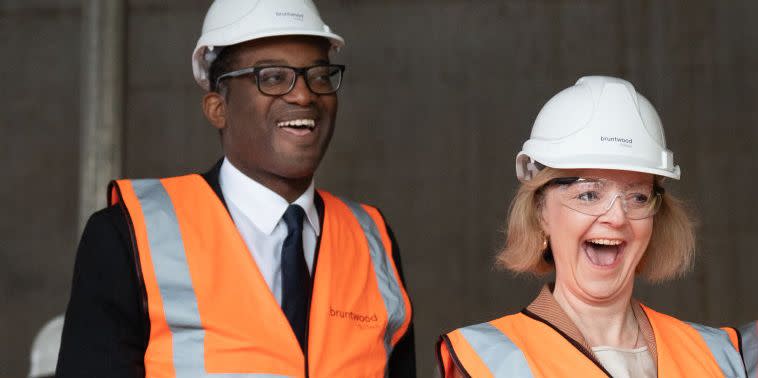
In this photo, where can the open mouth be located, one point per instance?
(603, 252)
(298, 126)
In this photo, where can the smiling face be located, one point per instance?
(276, 140)
(596, 256)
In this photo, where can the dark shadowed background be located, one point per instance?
(438, 98)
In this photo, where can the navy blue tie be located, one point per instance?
(296, 280)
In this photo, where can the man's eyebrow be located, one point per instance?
(280, 62)
(270, 62)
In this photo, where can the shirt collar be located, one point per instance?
(260, 204)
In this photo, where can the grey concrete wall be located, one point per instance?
(439, 96)
(39, 115)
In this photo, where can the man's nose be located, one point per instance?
(300, 93)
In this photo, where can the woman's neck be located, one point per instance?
(608, 323)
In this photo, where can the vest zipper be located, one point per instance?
(310, 301)
(575, 344)
(313, 280)
(307, 329)
(456, 362)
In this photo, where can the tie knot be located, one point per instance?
(293, 217)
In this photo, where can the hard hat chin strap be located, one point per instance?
(534, 167)
(211, 53)
(527, 168)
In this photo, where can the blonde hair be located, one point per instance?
(669, 254)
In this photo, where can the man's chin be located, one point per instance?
(297, 171)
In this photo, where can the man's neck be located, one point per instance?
(288, 188)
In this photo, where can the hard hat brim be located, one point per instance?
(620, 163)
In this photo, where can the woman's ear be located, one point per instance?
(541, 208)
(543, 224)
(214, 108)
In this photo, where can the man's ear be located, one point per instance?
(214, 108)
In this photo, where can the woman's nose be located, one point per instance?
(615, 215)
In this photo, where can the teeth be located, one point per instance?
(297, 123)
(605, 241)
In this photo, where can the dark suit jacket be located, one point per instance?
(107, 327)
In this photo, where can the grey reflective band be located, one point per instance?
(722, 349)
(749, 335)
(174, 282)
(389, 287)
(502, 357)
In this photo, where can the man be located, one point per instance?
(245, 270)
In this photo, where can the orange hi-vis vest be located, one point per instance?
(521, 346)
(211, 312)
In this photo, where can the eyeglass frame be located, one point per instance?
(299, 71)
(657, 192)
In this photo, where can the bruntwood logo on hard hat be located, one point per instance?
(627, 142)
(292, 15)
(361, 320)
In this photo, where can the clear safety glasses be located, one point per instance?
(593, 196)
(321, 79)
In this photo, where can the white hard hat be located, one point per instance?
(600, 122)
(229, 22)
(45, 349)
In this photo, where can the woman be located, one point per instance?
(592, 208)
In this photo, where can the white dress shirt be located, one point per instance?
(257, 212)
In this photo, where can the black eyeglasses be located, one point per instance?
(321, 79)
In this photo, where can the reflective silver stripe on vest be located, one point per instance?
(175, 283)
(749, 336)
(502, 357)
(389, 287)
(722, 349)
